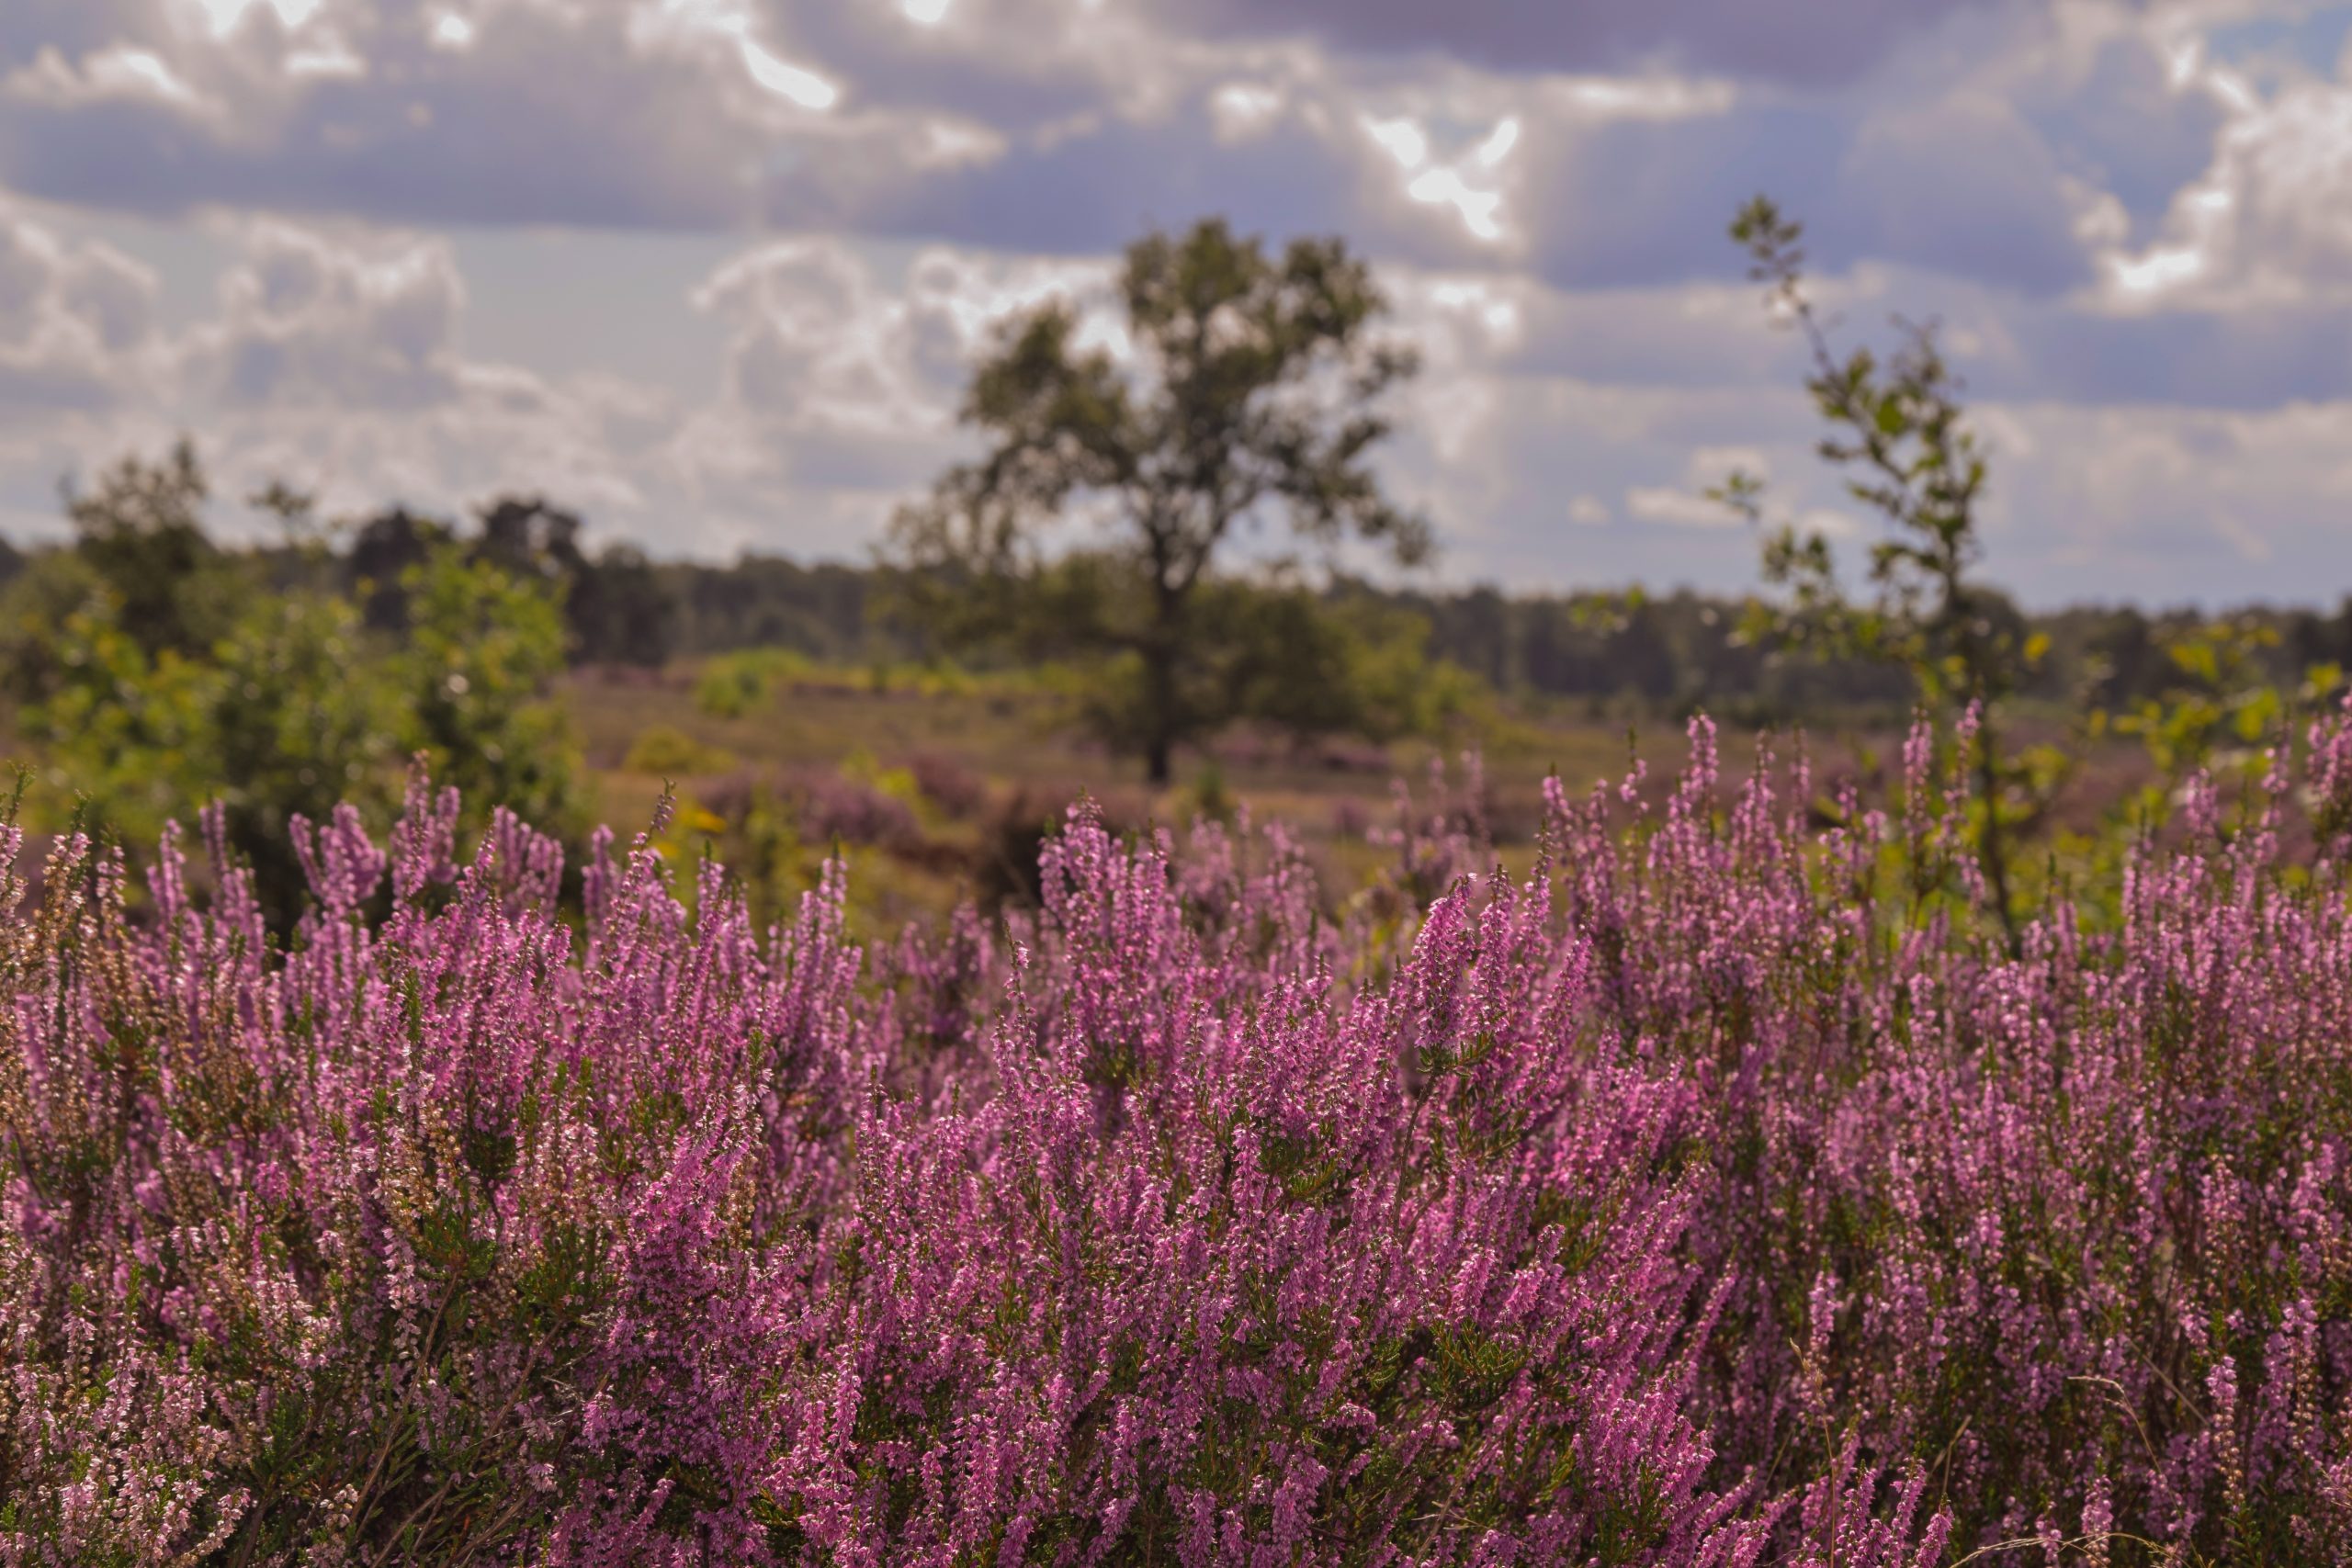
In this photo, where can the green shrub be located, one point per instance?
(664, 750)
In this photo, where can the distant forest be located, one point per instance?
(1615, 649)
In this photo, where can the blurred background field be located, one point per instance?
(792, 712)
(1171, 583)
(934, 785)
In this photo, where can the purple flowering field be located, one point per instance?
(1720, 1192)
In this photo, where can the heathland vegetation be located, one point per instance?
(1925, 1144)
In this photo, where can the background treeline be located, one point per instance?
(1664, 653)
(150, 666)
(1683, 650)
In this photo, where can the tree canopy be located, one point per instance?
(1247, 391)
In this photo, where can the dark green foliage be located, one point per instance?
(387, 548)
(159, 673)
(483, 651)
(141, 530)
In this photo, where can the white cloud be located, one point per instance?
(842, 376)
(1446, 188)
(1663, 504)
(338, 364)
(2175, 502)
(76, 320)
(1446, 148)
(815, 339)
(303, 318)
(1710, 464)
(1687, 504)
(121, 73)
(2269, 221)
(333, 362)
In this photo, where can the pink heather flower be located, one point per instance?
(1717, 1193)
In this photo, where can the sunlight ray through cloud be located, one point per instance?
(1242, 109)
(222, 16)
(690, 21)
(2158, 271)
(785, 80)
(137, 72)
(1402, 140)
(1446, 188)
(1645, 98)
(1497, 145)
(335, 60)
(1459, 184)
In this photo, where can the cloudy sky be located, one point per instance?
(709, 270)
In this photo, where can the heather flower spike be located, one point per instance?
(1719, 1194)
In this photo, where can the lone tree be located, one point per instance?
(1898, 430)
(1252, 394)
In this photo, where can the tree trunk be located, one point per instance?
(1159, 656)
(1159, 724)
(1994, 853)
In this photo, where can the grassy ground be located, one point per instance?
(999, 759)
(935, 790)
(978, 767)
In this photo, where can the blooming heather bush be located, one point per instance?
(2076, 1231)
(831, 807)
(1719, 1193)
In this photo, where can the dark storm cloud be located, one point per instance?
(28, 27)
(1969, 191)
(1821, 43)
(543, 118)
(1010, 64)
(1639, 203)
(2252, 358)
(140, 160)
(1967, 188)
(1079, 140)
(1080, 194)
(2248, 360)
